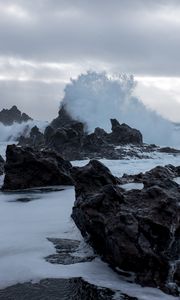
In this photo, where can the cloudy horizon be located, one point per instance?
(45, 43)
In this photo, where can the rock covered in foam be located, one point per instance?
(137, 230)
(9, 116)
(28, 168)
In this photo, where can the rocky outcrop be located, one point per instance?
(134, 231)
(28, 168)
(73, 142)
(64, 119)
(124, 134)
(70, 138)
(9, 116)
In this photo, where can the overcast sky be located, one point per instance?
(43, 43)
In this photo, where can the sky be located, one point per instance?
(44, 43)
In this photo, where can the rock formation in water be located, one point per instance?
(12, 115)
(70, 138)
(134, 231)
(27, 168)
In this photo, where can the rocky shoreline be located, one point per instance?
(135, 231)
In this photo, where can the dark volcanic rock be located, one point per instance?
(66, 140)
(58, 289)
(64, 119)
(124, 134)
(27, 168)
(74, 143)
(69, 137)
(136, 231)
(159, 175)
(9, 116)
(92, 177)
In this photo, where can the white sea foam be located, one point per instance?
(12, 132)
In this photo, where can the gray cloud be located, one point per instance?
(44, 43)
(137, 36)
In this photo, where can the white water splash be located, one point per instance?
(12, 132)
(95, 98)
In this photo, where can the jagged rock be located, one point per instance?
(1, 165)
(124, 134)
(137, 230)
(64, 119)
(27, 168)
(70, 138)
(9, 116)
(159, 174)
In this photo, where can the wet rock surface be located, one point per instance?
(57, 289)
(27, 168)
(67, 252)
(61, 289)
(137, 230)
(9, 116)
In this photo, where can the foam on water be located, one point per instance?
(135, 166)
(132, 185)
(12, 132)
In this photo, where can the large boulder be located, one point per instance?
(66, 140)
(134, 231)
(27, 168)
(9, 116)
(92, 177)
